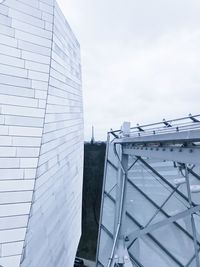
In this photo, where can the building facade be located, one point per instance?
(41, 136)
(151, 196)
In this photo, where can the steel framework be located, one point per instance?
(151, 196)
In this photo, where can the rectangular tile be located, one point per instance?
(32, 38)
(40, 85)
(5, 20)
(34, 48)
(36, 75)
(6, 30)
(13, 261)
(16, 221)
(46, 8)
(10, 51)
(9, 174)
(6, 152)
(20, 141)
(6, 89)
(35, 57)
(13, 71)
(9, 163)
(27, 152)
(21, 111)
(23, 121)
(24, 8)
(25, 131)
(28, 162)
(18, 101)
(26, 18)
(37, 66)
(16, 24)
(15, 81)
(13, 61)
(10, 42)
(3, 10)
(14, 234)
(10, 249)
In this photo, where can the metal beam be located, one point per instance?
(181, 123)
(107, 231)
(183, 155)
(150, 228)
(164, 222)
(191, 259)
(156, 241)
(122, 184)
(164, 180)
(175, 189)
(172, 137)
(154, 215)
(158, 207)
(191, 216)
(165, 213)
(163, 143)
(193, 173)
(112, 165)
(99, 263)
(134, 260)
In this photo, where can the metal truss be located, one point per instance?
(149, 149)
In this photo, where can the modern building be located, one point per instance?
(151, 196)
(41, 136)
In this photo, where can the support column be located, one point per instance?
(192, 216)
(119, 254)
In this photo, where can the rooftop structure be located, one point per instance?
(151, 196)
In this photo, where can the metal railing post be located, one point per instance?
(192, 216)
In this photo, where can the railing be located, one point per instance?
(188, 123)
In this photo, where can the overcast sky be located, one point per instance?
(140, 60)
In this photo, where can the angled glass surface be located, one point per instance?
(156, 194)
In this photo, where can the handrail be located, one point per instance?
(175, 125)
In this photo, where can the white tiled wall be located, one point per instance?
(41, 139)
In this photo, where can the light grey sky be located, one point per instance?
(140, 60)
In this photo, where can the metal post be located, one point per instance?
(102, 198)
(192, 217)
(123, 197)
(121, 206)
(120, 233)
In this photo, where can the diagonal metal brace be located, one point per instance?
(162, 223)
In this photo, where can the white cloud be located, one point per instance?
(141, 59)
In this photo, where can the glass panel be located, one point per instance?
(110, 186)
(174, 205)
(197, 224)
(151, 199)
(175, 241)
(106, 244)
(193, 263)
(137, 204)
(149, 254)
(131, 227)
(109, 214)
